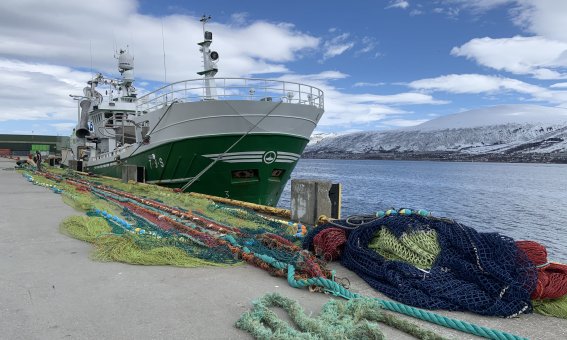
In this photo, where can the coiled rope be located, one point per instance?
(328, 243)
(355, 319)
(551, 277)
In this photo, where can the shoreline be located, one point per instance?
(548, 158)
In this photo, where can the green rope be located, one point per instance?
(338, 290)
(355, 319)
(464, 326)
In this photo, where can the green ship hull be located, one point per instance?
(255, 170)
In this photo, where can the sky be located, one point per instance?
(381, 64)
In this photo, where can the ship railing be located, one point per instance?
(230, 89)
(112, 154)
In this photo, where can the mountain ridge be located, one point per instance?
(517, 133)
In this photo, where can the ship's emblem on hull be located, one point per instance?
(269, 157)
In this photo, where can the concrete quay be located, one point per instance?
(51, 289)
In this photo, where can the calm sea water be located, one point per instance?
(523, 201)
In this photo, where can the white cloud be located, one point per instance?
(347, 109)
(542, 55)
(558, 85)
(363, 84)
(63, 127)
(335, 50)
(537, 56)
(478, 83)
(403, 122)
(239, 18)
(472, 83)
(544, 18)
(479, 5)
(345, 42)
(398, 4)
(42, 32)
(337, 46)
(38, 91)
(368, 45)
(451, 12)
(408, 98)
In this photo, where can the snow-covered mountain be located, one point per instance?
(506, 130)
(316, 137)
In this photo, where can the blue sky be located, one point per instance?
(382, 64)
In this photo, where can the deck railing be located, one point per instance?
(231, 89)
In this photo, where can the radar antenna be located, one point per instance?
(210, 59)
(204, 20)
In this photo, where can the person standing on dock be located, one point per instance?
(38, 163)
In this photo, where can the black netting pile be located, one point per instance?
(483, 273)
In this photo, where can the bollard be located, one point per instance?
(129, 173)
(76, 165)
(313, 198)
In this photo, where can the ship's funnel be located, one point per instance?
(82, 129)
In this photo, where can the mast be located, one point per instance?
(210, 59)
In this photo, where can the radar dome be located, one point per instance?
(125, 61)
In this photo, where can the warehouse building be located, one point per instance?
(23, 145)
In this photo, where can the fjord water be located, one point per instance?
(522, 201)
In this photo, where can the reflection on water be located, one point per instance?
(523, 201)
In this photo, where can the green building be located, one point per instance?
(23, 145)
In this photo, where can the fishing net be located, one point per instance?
(85, 228)
(480, 272)
(143, 224)
(419, 248)
(140, 250)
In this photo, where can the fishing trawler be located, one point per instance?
(231, 137)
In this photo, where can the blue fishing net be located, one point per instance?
(483, 273)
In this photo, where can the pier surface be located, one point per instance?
(51, 289)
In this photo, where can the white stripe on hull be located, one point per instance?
(167, 181)
(267, 157)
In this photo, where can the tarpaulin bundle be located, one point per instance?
(483, 273)
(552, 277)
